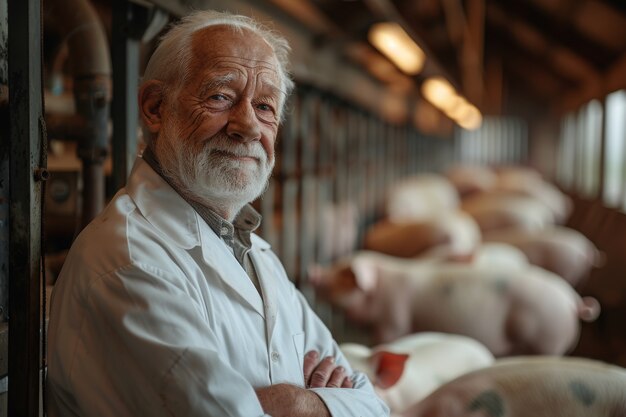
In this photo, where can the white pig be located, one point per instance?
(421, 197)
(531, 184)
(408, 369)
(511, 311)
(564, 251)
(531, 386)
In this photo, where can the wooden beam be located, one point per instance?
(494, 86)
(467, 34)
(557, 32)
(473, 50)
(568, 63)
(612, 80)
(455, 21)
(542, 82)
(503, 44)
(617, 5)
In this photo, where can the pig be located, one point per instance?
(540, 386)
(501, 210)
(511, 311)
(420, 198)
(564, 251)
(454, 230)
(338, 230)
(471, 179)
(531, 184)
(483, 255)
(408, 369)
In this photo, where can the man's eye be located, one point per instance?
(265, 107)
(218, 97)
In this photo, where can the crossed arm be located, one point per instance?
(289, 400)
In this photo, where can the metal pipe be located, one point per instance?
(90, 65)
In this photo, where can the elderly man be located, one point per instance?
(168, 304)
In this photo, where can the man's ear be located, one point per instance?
(150, 98)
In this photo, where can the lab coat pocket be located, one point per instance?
(298, 343)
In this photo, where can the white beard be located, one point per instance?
(206, 173)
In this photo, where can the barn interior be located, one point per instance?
(536, 80)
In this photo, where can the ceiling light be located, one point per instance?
(390, 39)
(439, 92)
(472, 119)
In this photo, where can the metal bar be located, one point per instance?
(4, 362)
(324, 176)
(308, 137)
(4, 208)
(4, 171)
(26, 125)
(290, 189)
(124, 112)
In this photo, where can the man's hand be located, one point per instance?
(324, 373)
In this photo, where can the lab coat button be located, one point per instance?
(275, 356)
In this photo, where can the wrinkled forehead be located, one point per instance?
(216, 44)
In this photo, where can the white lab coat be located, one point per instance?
(152, 315)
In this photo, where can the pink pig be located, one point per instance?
(564, 251)
(509, 310)
(531, 386)
(499, 210)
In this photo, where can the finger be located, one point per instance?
(322, 373)
(347, 383)
(337, 377)
(310, 362)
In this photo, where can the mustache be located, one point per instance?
(221, 145)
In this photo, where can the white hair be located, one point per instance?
(170, 61)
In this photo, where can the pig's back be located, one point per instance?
(466, 301)
(551, 386)
(532, 386)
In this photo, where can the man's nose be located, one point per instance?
(243, 124)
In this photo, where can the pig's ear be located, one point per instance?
(365, 273)
(390, 368)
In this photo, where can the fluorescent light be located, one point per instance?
(390, 39)
(441, 94)
(472, 119)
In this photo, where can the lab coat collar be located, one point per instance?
(177, 221)
(163, 207)
(215, 252)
